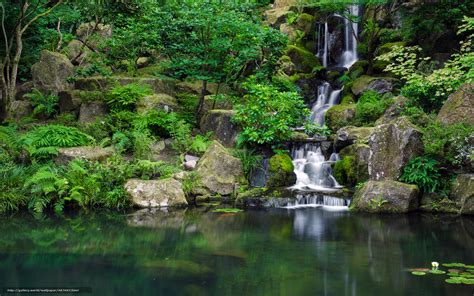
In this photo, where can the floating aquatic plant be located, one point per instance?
(459, 273)
(227, 210)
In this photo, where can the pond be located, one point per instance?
(310, 251)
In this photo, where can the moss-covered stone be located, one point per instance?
(156, 102)
(355, 170)
(51, 72)
(339, 116)
(387, 47)
(304, 60)
(462, 192)
(332, 76)
(220, 123)
(386, 197)
(459, 108)
(305, 23)
(435, 203)
(381, 85)
(344, 171)
(347, 99)
(280, 171)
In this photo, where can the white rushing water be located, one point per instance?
(326, 99)
(349, 56)
(318, 200)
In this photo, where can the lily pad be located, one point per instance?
(467, 281)
(453, 281)
(470, 266)
(418, 273)
(227, 210)
(454, 265)
(437, 271)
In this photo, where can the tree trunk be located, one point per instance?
(201, 101)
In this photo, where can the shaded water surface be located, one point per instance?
(276, 252)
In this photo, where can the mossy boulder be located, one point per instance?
(70, 101)
(220, 123)
(286, 65)
(292, 33)
(50, 74)
(280, 171)
(358, 69)
(353, 168)
(157, 102)
(435, 203)
(386, 197)
(213, 102)
(305, 23)
(276, 17)
(339, 116)
(349, 135)
(393, 145)
(156, 193)
(89, 153)
(378, 84)
(91, 111)
(393, 111)
(304, 60)
(347, 99)
(462, 192)
(459, 108)
(219, 171)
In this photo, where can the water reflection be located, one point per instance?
(195, 252)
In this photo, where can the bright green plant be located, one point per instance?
(124, 97)
(191, 181)
(46, 186)
(268, 115)
(43, 105)
(317, 130)
(370, 107)
(423, 172)
(251, 161)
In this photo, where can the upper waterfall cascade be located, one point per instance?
(313, 171)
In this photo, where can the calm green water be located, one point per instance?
(276, 252)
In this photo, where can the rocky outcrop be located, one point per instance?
(93, 33)
(386, 197)
(158, 85)
(459, 108)
(213, 102)
(462, 192)
(50, 74)
(280, 171)
(392, 145)
(91, 111)
(354, 166)
(19, 109)
(351, 134)
(219, 122)
(70, 101)
(393, 111)
(156, 193)
(219, 171)
(339, 116)
(304, 60)
(365, 83)
(157, 102)
(435, 203)
(89, 153)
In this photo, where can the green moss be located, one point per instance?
(344, 171)
(347, 99)
(360, 84)
(305, 23)
(339, 116)
(387, 47)
(304, 60)
(333, 75)
(280, 169)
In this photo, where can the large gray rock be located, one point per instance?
(354, 166)
(70, 101)
(90, 153)
(219, 171)
(212, 102)
(77, 53)
(156, 193)
(386, 197)
(157, 102)
(91, 111)
(351, 134)
(19, 109)
(459, 108)
(392, 145)
(219, 122)
(462, 192)
(378, 84)
(393, 111)
(50, 74)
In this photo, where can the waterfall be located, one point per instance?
(326, 45)
(313, 171)
(349, 56)
(326, 99)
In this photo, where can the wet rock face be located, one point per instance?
(459, 108)
(392, 145)
(462, 192)
(91, 111)
(156, 193)
(365, 83)
(219, 171)
(219, 122)
(51, 72)
(386, 197)
(353, 168)
(157, 102)
(350, 134)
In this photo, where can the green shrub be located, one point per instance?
(317, 130)
(125, 97)
(449, 142)
(370, 107)
(424, 172)
(43, 105)
(251, 161)
(267, 115)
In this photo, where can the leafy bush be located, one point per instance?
(370, 107)
(317, 130)
(43, 105)
(267, 115)
(423, 172)
(452, 142)
(251, 161)
(124, 97)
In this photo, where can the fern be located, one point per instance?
(424, 172)
(124, 97)
(45, 105)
